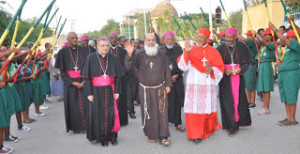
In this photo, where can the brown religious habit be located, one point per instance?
(154, 76)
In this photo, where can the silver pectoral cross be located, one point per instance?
(76, 68)
(232, 65)
(104, 75)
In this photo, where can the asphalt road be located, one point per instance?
(48, 136)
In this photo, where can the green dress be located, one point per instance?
(14, 93)
(4, 107)
(4, 115)
(37, 87)
(23, 89)
(251, 73)
(13, 102)
(289, 74)
(265, 78)
(46, 83)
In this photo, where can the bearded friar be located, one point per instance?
(155, 82)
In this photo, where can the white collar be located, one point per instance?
(102, 55)
(203, 46)
(114, 47)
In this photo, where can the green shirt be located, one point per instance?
(267, 53)
(252, 48)
(291, 60)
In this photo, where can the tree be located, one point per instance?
(236, 19)
(110, 26)
(292, 4)
(140, 25)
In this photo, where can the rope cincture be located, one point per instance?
(146, 114)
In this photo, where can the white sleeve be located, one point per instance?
(182, 65)
(218, 75)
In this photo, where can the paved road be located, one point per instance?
(48, 136)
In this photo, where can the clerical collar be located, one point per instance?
(114, 47)
(73, 48)
(102, 55)
(203, 46)
(231, 45)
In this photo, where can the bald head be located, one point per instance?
(113, 38)
(72, 39)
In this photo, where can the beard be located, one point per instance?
(151, 50)
(169, 46)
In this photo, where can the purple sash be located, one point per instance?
(235, 86)
(109, 81)
(74, 74)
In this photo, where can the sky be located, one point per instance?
(90, 15)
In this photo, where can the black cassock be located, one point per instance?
(176, 96)
(74, 100)
(241, 56)
(121, 53)
(101, 111)
(131, 88)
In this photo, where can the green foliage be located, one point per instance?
(236, 19)
(24, 26)
(110, 26)
(140, 24)
(5, 18)
(293, 4)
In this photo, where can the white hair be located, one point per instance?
(150, 34)
(92, 43)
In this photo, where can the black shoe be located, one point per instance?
(124, 124)
(231, 133)
(132, 116)
(114, 142)
(252, 106)
(104, 143)
(197, 140)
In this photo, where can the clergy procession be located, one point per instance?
(204, 82)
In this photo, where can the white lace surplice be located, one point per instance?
(201, 90)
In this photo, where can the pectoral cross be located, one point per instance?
(151, 64)
(104, 75)
(76, 68)
(204, 60)
(232, 65)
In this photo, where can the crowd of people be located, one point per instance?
(100, 82)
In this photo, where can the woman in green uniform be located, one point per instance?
(4, 110)
(251, 74)
(265, 78)
(24, 94)
(38, 86)
(289, 76)
(38, 89)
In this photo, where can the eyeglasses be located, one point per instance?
(102, 46)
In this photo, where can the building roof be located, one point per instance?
(133, 12)
(161, 7)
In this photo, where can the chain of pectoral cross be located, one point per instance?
(104, 71)
(73, 60)
(231, 55)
